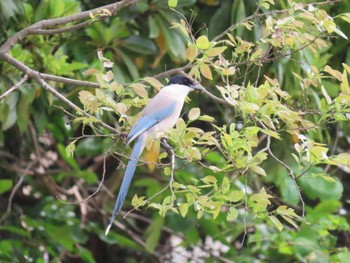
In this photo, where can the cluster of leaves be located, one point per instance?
(259, 171)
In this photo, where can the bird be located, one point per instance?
(158, 116)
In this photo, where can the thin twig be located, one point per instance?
(33, 29)
(256, 15)
(70, 81)
(119, 225)
(14, 87)
(291, 173)
(14, 190)
(32, 73)
(94, 193)
(40, 31)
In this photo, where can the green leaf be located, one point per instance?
(232, 214)
(257, 169)
(215, 51)
(276, 222)
(140, 90)
(70, 161)
(172, 3)
(205, 71)
(70, 148)
(191, 52)
(55, 232)
(175, 41)
(206, 118)
(225, 185)
(154, 82)
(56, 8)
(153, 28)
(140, 45)
(193, 153)
(318, 153)
(137, 202)
(86, 255)
(183, 209)
(89, 176)
(194, 114)
(343, 256)
(129, 63)
(9, 9)
(153, 233)
(167, 171)
(15, 230)
(209, 179)
(271, 133)
(235, 196)
(318, 187)
(5, 185)
(10, 115)
(202, 42)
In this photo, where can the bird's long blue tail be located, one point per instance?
(129, 172)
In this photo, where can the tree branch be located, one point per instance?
(14, 190)
(290, 172)
(70, 81)
(14, 87)
(38, 27)
(36, 75)
(40, 31)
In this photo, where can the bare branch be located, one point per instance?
(70, 81)
(59, 30)
(35, 74)
(14, 190)
(173, 71)
(84, 200)
(14, 87)
(38, 27)
(291, 173)
(72, 105)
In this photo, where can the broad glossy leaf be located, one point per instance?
(139, 44)
(5, 185)
(318, 187)
(153, 27)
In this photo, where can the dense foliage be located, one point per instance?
(257, 168)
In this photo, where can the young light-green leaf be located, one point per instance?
(194, 114)
(172, 3)
(232, 214)
(276, 222)
(202, 42)
(183, 209)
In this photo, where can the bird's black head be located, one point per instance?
(183, 80)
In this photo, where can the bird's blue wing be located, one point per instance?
(148, 120)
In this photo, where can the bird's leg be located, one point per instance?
(166, 145)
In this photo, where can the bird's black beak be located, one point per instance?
(197, 86)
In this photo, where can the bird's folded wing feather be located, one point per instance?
(149, 118)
